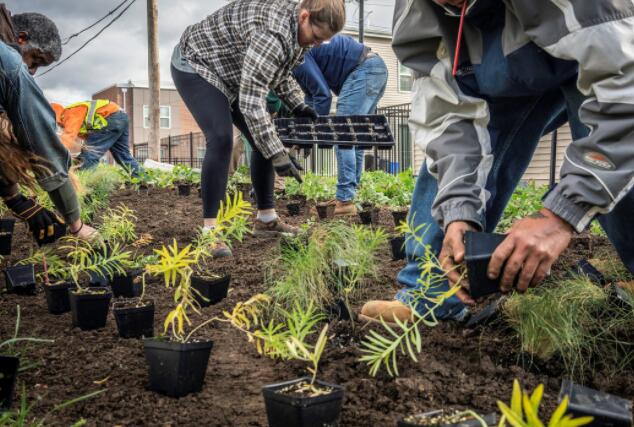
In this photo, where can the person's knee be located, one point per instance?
(220, 142)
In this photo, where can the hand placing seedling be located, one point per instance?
(532, 245)
(452, 255)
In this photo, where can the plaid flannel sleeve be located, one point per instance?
(290, 92)
(263, 59)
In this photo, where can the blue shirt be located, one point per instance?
(326, 68)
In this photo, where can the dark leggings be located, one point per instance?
(214, 116)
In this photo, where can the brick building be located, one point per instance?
(134, 98)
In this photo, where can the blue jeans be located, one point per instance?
(113, 137)
(515, 128)
(360, 94)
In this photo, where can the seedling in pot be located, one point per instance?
(603, 409)
(134, 315)
(184, 177)
(177, 361)
(90, 305)
(441, 418)
(524, 411)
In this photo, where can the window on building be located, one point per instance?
(165, 116)
(405, 78)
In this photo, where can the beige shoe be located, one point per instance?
(273, 229)
(345, 208)
(374, 311)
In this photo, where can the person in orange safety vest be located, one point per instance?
(102, 126)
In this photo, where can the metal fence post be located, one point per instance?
(191, 149)
(169, 149)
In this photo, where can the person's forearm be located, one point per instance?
(65, 200)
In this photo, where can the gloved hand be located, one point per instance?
(46, 226)
(304, 110)
(285, 164)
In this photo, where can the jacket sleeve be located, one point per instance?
(264, 57)
(449, 126)
(314, 84)
(290, 93)
(598, 170)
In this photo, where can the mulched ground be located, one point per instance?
(456, 369)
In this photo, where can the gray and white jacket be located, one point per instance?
(451, 127)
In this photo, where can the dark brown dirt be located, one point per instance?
(455, 370)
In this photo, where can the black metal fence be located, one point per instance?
(189, 149)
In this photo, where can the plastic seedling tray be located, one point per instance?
(367, 131)
(284, 410)
(20, 279)
(607, 410)
(479, 248)
(487, 315)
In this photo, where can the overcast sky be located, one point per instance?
(119, 54)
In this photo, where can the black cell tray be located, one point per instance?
(367, 131)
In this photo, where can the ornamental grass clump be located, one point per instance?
(573, 320)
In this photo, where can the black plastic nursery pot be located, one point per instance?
(293, 410)
(134, 320)
(200, 192)
(57, 297)
(397, 244)
(479, 248)
(369, 216)
(184, 189)
(438, 419)
(399, 216)
(325, 210)
(127, 285)
(8, 373)
(90, 307)
(176, 369)
(294, 208)
(20, 279)
(607, 410)
(213, 289)
(584, 268)
(6, 235)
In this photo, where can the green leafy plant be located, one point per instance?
(524, 411)
(118, 225)
(176, 266)
(525, 200)
(382, 350)
(182, 174)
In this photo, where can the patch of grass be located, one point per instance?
(305, 272)
(573, 320)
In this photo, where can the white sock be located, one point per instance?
(267, 217)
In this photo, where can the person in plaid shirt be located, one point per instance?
(224, 67)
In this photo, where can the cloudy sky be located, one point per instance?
(119, 54)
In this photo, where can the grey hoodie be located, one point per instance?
(451, 127)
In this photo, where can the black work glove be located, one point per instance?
(46, 226)
(305, 110)
(285, 164)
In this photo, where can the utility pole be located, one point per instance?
(154, 137)
(361, 21)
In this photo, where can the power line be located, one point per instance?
(65, 42)
(89, 40)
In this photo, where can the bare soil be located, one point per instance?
(456, 370)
